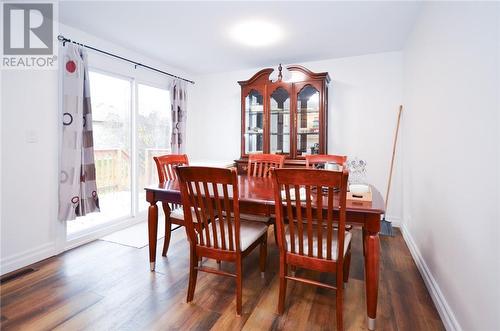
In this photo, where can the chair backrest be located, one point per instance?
(313, 160)
(212, 193)
(312, 230)
(259, 165)
(165, 165)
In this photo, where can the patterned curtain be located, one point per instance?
(178, 103)
(77, 186)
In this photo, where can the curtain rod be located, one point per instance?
(65, 40)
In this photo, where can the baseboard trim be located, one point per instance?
(102, 232)
(26, 258)
(42, 252)
(445, 312)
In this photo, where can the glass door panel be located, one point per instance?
(153, 135)
(308, 121)
(254, 122)
(280, 121)
(111, 120)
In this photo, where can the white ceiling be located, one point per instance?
(194, 36)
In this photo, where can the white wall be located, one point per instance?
(451, 166)
(365, 93)
(30, 230)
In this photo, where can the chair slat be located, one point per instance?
(203, 214)
(228, 217)
(319, 213)
(291, 223)
(194, 204)
(209, 204)
(219, 216)
(329, 238)
(298, 207)
(310, 235)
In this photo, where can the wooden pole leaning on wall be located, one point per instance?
(386, 226)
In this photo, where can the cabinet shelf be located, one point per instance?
(272, 113)
(307, 111)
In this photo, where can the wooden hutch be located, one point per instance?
(287, 117)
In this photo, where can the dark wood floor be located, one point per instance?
(107, 286)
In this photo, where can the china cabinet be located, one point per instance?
(284, 116)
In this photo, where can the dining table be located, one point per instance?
(256, 196)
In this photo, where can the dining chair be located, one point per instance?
(165, 165)
(259, 165)
(312, 161)
(315, 160)
(310, 239)
(209, 192)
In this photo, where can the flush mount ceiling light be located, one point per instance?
(256, 33)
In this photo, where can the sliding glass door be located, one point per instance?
(153, 135)
(131, 124)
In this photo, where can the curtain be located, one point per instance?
(77, 185)
(178, 104)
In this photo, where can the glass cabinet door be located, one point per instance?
(308, 121)
(280, 122)
(254, 123)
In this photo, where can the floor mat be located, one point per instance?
(135, 235)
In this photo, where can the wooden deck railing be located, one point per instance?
(113, 168)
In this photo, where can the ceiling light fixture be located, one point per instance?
(256, 33)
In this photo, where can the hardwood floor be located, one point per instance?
(107, 286)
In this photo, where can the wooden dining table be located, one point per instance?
(256, 196)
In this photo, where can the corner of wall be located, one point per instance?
(445, 312)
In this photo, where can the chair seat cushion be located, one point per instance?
(250, 232)
(253, 218)
(178, 214)
(347, 240)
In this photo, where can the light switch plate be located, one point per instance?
(31, 136)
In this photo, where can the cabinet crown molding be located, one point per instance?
(308, 75)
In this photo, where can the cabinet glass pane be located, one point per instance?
(254, 122)
(308, 121)
(280, 122)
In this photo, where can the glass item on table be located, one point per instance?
(357, 171)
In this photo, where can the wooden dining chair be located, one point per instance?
(174, 214)
(213, 194)
(318, 160)
(315, 200)
(259, 165)
(312, 161)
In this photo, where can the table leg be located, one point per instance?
(153, 233)
(372, 265)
